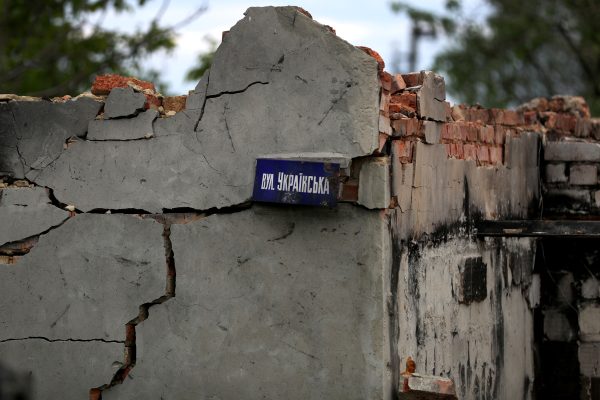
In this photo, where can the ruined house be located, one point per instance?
(136, 265)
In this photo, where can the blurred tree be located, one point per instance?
(524, 49)
(56, 47)
(204, 60)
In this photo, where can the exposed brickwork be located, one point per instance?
(103, 84)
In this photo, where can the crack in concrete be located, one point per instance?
(225, 109)
(130, 353)
(348, 85)
(60, 340)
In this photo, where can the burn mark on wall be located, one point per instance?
(473, 281)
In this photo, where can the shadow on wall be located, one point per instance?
(15, 385)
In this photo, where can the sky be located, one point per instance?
(362, 23)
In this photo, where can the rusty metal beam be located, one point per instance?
(539, 228)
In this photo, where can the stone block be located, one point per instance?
(402, 178)
(589, 323)
(406, 127)
(597, 199)
(590, 288)
(557, 327)
(589, 359)
(138, 127)
(433, 131)
(398, 83)
(123, 102)
(26, 212)
(422, 387)
(568, 200)
(556, 173)
(385, 125)
(374, 183)
(583, 174)
(572, 151)
(430, 107)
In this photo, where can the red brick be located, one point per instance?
(386, 81)
(152, 101)
(403, 150)
(496, 155)
(548, 119)
(511, 118)
(349, 191)
(448, 111)
(174, 103)
(458, 113)
(472, 131)
(406, 127)
(375, 55)
(103, 84)
(486, 134)
(408, 100)
(383, 138)
(398, 83)
(413, 79)
(583, 128)
(446, 132)
(566, 122)
(384, 101)
(530, 117)
(499, 134)
(303, 11)
(479, 115)
(470, 151)
(483, 154)
(458, 151)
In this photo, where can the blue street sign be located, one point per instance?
(296, 182)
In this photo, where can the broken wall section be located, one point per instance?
(112, 172)
(462, 308)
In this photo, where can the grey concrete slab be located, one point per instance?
(33, 133)
(310, 102)
(572, 151)
(589, 323)
(583, 174)
(433, 131)
(123, 102)
(589, 359)
(26, 212)
(84, 279)
(556, 173)
(309, 88)
(374, 183)
(138, 127)
(271, 303)
(39, 370)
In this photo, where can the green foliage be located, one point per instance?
(525, 49)
(433, 22)
(55, 47)
(204, 61)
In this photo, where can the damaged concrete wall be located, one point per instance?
(136, 265)
(105, 196)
